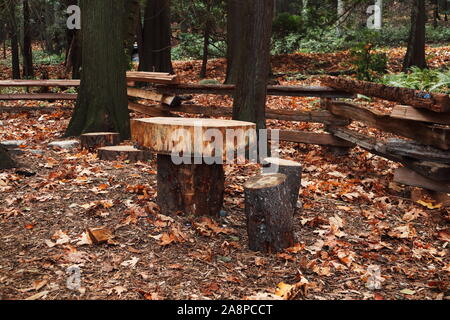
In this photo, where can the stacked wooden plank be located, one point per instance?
(151, 77)
(425, 121)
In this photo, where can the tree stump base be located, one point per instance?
(269, 213)
(5, 160)
(195, 189)
(95, 140)
(293, 172)
(129, 153)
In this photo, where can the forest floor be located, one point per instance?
(354, 218)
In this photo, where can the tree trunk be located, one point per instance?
(206, 34)
(292, 170)
(157, 37)
(269, 213)
(102, 104)
(195, 189)
(415, 55)
(131, 19)
(5, 160)
(234, 18)
(73, 49)
(253, 61)
(15, 61)
(27, 52)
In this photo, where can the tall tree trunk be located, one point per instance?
(206, 34)
(27, 52)
(102, 99)
(341, 17)
(14, 32)
(253, 61)
(157, 37)
(132, 15)
(435, 13)
(415, 55)
(234, 18)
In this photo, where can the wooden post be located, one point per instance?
(336, 151)
(269, 213)
(95, 140)
(293, 172)
(195, 189)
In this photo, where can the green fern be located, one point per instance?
(420, 79)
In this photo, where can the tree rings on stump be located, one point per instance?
(269, 213)
(95, 140)
(129, 153)
(293, 172)
(195, 189)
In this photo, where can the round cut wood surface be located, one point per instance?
(193, 136)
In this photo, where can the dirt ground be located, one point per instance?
(354, 219)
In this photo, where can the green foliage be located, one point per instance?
(420, 79)
(191, 47)
(209, 81)
(286, 24)
(41, 57)
(369, 64)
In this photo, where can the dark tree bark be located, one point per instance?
(269, 213)
(292, 170)
(102, 104)
(252, 61)
(157, 37)
(206, 35)
(234, 18)
(132, 16)
(195, 189)
(5, 160)
(73, 49)
(415, 55)
(13, 30)
(27, 52)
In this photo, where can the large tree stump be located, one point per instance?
(129, 153)
(95, 140)
(293, 172)
(269, 213)
(195, 189)
(5, 160)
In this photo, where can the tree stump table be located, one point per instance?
(190, 156)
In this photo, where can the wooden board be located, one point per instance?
(324, 139)
(151, 95)
(437, 102)
(151, 111)
(410, 178)
(222, 89)
(39, 96)
(437, 136)
(189, 136)
(410, 113)
(321, 116)
(39, 83)
(152, 77)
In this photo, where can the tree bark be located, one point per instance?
(269, 213)
(13, 29)
(92, 141)
(234, 18)
(195, 189)
(206, 34)
(157, 37)
(131, 19)
(292, 170)
(102, 104)
(27, 52)
(253, 61)
(129, 153)
(5, 160)
(415, 55)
